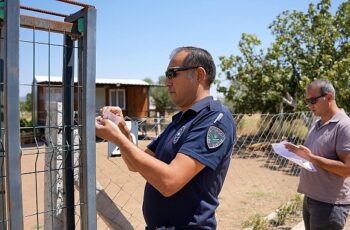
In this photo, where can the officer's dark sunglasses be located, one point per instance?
(171, 72)
(313, 100)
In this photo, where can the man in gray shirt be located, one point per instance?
(327, 147)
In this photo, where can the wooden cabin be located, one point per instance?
(131, 95)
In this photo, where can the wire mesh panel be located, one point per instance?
(47, 158)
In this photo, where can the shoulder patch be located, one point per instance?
(178, 134)
(215, 137)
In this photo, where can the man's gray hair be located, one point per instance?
(198, 57)
(324, 86)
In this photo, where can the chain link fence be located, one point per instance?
(258, 181)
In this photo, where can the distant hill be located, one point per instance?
(22, 98)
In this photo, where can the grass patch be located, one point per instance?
(257, 194)
(284, 213)
(257, 222)
(287, 210)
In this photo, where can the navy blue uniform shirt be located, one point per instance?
(206, 133)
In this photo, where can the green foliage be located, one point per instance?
(161, 96)
(288, 209)
(27, 104)
(25, 108)
(307, 46)
(24, 123)
(256, 222)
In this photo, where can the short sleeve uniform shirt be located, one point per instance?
(206, 133)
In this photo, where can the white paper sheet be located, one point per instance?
(281, 150)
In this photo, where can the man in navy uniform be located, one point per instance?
(185, 167)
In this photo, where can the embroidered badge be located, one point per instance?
(215, 137)
(178, 134)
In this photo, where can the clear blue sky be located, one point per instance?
(135, 38)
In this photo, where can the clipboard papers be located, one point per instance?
(281, 150)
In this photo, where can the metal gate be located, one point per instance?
(49, 180)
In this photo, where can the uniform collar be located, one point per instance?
(198, 106)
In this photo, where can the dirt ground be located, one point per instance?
(249, 189)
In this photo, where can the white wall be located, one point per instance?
(100, 98)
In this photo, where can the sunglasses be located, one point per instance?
(313, 100)
(171, 72)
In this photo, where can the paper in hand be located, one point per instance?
(281, 150)
(111, 116)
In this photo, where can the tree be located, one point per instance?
(25, 113)
(307, 46)
(160, 96)
(27, 104)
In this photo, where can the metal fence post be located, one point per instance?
(86, 113)
(68, 123)
(88, 79)
(12, 135)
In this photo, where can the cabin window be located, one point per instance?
(117, 98)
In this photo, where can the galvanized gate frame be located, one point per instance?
(80, 26)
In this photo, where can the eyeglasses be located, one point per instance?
(313, 100)
(171, 73)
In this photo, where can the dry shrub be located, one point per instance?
(249, 125)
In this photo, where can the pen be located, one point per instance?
(218, 118)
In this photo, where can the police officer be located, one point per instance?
(186, 165)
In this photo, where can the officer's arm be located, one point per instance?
(125, 130)
(130, 164)
(166, 178)
(173, 177)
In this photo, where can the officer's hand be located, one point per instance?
(107, 129)
(113, 109)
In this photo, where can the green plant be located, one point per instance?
(256, 222)
(25, 124)
(27, 104)
(288, 209)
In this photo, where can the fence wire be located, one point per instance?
(258, 181)
(3, 219)
(44, 146)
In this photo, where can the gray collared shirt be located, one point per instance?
(327, 140)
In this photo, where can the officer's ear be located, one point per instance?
(201, 74)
